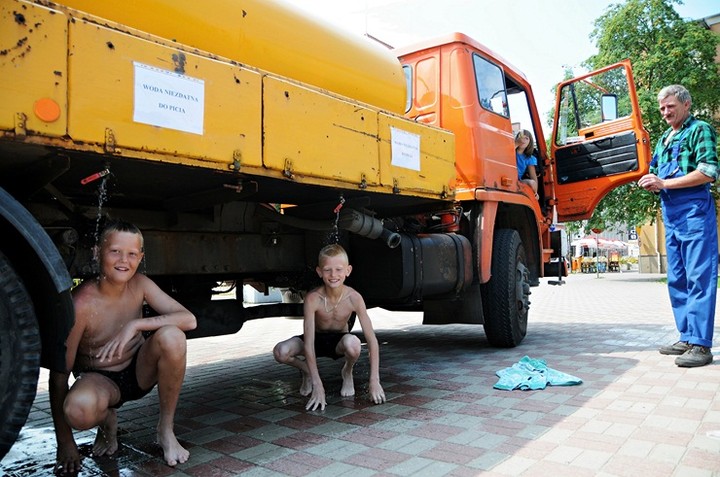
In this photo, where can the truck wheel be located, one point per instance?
(505, 300)
(19, 355)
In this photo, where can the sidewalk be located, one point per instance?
(636, 413)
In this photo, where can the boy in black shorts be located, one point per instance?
(112, 359)
(327, 310)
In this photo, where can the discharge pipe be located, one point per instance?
(370, 227)
(350, 220)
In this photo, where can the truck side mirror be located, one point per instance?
(609, 107)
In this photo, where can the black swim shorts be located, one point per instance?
(126, 381)
(326, 342)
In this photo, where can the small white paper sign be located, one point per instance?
(167, 99)
(405, 149)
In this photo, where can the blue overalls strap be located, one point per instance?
(687, 193)
(681, 139)
(678, 144)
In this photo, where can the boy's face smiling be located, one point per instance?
(120, 256)
(334, 271)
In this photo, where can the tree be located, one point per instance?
(664, 49)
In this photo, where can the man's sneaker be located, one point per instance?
(696, 356)
(676, 348)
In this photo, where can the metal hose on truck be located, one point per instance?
(350, 220)
(366, 226)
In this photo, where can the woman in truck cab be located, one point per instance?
(526, 161)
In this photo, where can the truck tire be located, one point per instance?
(505, 297)
(19, 355)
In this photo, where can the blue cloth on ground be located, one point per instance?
(529, 373)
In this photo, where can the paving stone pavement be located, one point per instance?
(240, 413)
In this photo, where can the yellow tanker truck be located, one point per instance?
(243, 136)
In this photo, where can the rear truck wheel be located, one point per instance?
(506, 298)
(19, 355)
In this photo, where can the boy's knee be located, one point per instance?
(171, 339)
(171, 333)
(281, 352)
(278, 354)
(352, 346)
(81, 411)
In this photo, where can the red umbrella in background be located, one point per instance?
(599, 244)
(620, 244)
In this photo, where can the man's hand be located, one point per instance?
(68, 460)
(316, 399)
(376, 393)
(651, 182)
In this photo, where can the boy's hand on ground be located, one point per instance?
(68, 460)
(376, 393)
(316, 399)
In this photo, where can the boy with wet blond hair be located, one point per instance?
(112, 360)
(327, 310)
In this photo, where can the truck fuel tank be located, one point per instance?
(422, 266)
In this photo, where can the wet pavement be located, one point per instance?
(240, 413)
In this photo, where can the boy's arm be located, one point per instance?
(170, 312)
(317, 397)
(376, 391)
(68, 458)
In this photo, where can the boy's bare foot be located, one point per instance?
(106, 442)
(174, 453)
(306, 386)
(348, 385)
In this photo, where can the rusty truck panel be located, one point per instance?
(128, 94)
(274, 36)
(134, 96)
(28, 41)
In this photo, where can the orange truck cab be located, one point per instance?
(598, 142)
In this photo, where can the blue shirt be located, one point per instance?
(523, 162)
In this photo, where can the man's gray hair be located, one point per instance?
(677, 90)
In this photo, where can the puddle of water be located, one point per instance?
(30, 454)
(34, 455)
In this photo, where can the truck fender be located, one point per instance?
(30, 231)
(504, 210)
(482, 242)
(38, 262)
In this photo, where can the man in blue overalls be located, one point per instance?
(684, 165)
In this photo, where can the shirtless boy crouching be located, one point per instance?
(110, 357)
(326, 313)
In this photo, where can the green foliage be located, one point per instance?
(664, 49)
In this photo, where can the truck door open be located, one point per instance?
(598, 140)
